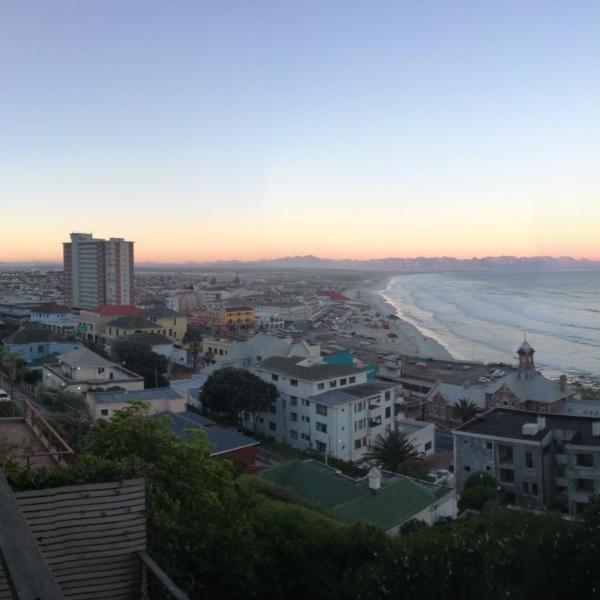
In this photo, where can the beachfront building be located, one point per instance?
(330, 408)
(82, 370)
(380, 498)
(549, 461)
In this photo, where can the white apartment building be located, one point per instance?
(329, 408)
(288, 312)
(97, 271)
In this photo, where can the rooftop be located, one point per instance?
(298, 367)
(160, 312)
(506, 423)
(355, 392)
(32, 335)
(151, 339)
(164, 393)
(116, 310)
(132, 322)
(83, 357)
(395, 502)
(51, 308)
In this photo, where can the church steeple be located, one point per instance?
(526, 364)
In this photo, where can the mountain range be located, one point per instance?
(418, 264)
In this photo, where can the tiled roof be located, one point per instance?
(51, 308)
(116, 310)
(151, 339)
(83, 357)
(32, 335)
(353, 393)
(315, 371)
(160, 312)
(396, 501)
(132, 322)
(332, 295)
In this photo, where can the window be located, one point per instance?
(305, 436)
(294, 400)
(100, 370)
(507, 475)
(320, 386)
(388, 412)
(585, 460)
(352, 379)
(294, 382)
(529, 460)
(505, 453)
(584, 485)
(534, 489)
(305, 419)
(272, 426)
(104, 412)
(343, 381)
(428, 446)
(387, 395)
(526, 488)
(321, 410)
(321, 427)
(274, 377)
(40, 349)
(467, 468)
(488, 445)
(357, 444)
(294, 417)
(321, 447)
(305, 402)
(333, 383)
(293, 434)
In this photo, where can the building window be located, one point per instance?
(352, 379)
(305, 436)
(357, 444)
(507, 475)
(40, 349)
(294, 400)
(388, 412)
(584, 485)
(104, 412)
(274, 377)
(343, 381)
(387, 395)
(305, 419)
(321, 409)
(305, 402)
(333, 383)
(321, 447)
(272, 426)
(100, 370)
(294, 416)
(321, 427)
(428, 446)
(585, 460)
(294, 382)
(293, 434)
(320, 386)
(534, 489)
(488, 445)
(526, 488)
(505, 453)
(529, 460)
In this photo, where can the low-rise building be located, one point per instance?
(92, 323)
(232, 317)
(82, 370)
(33, 343)
(421, 434)
(104, 404)
(158, 343)
(330, 408)
(56, 317)
(130, 325)
(382, 499)
(549, 461)
(171, 323)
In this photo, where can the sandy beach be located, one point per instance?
(410, 340)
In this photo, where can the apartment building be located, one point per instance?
(330, 408)
(550, 461)
(97, 271)
(232, 317)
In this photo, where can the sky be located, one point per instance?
(206, 130)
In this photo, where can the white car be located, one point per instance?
(4, 397)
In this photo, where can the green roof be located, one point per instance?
(396, 501)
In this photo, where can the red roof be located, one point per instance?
(116, 310)
(332, 295)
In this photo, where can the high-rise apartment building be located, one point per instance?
(97, 271)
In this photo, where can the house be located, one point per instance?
(169, 322)
(158, 343)
(421, 434)
(129, 325)
(231, 317)
(380, 498)
(56, 317)
(34, 342)
(540, 461)
(330, 408)
(82, 370)
(103, 404)
(225, 442)
(92, 323)
(438, 406)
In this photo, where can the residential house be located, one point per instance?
(33, 343)
(82, 370)
(104, 404)
(129, 325)
(171, 323)
(158, 343)
(92, 323)
(380, 498)
(232, 317)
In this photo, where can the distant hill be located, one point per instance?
(418, 264)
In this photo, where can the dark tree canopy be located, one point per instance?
(140, 359)
(234, 393)
(465, 410)
(396, 453)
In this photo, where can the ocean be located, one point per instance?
(484, 316)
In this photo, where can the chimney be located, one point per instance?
(541, 423)
(374, 478)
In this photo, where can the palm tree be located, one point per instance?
(394, 452)
(465, 410)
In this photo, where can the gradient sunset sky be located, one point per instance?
(227, 129)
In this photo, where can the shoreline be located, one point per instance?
(410, 339)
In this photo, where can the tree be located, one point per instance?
(32, 376)
(139, 358)
(236, 393)
(395, 453)
(97, 348)
(479, 489)
(465, 410)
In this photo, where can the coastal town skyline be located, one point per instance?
(224, 131)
